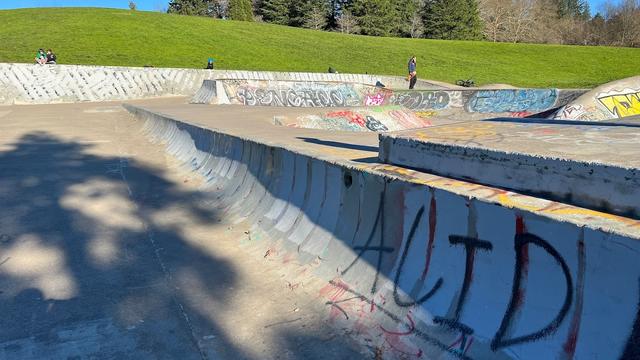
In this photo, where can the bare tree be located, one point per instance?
(494, 14)
(417, 26)
(623, 22)
(316, 19)
(347, 23)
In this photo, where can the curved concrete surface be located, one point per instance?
(252, 241)
(38, 84)
(472, 103)
(376, 119)
(422, 266)
(614, 100)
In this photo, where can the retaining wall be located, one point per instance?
(43, 84)
(427, 267)
(517, 102)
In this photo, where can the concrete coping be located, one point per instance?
(592, 165)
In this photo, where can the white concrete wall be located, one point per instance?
(43, 84)
(424, 270)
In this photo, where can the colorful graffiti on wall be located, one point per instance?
(421, 100)
(513, 101)
(291, 94)
(623, 104)
(362, 119)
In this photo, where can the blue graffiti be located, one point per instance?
(499, 101)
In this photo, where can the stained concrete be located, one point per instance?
(587, 164)
(209, 232)
(108, 252)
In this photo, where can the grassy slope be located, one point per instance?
(120, 37)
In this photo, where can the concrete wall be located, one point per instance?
(514, 102)
(38, 84)
(614, 100)
(429, 267)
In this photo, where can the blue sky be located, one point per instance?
(142, 4)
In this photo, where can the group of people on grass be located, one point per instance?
(43, 57)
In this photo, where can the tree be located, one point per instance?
(316, 18)
(190, 7)
(407, 12)
(241, 10)
(375, 17)
(452, 20)
(417, 27)
(347, 23)
(275, 11)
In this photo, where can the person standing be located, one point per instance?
(51, 57)
(413, 77)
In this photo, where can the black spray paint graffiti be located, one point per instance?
(500, 340)
(381, 248)
(292, 98)
(375, 125)
(422, 100)
(521, 243)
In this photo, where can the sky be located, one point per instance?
(152, 5)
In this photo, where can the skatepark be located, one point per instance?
(156, 213)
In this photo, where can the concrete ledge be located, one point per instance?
(420, 261)
(591, 166)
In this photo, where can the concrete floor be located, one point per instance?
(106, 252)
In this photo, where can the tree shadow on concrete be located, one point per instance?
(92, 264)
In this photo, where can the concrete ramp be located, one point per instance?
(615, 100)
(473, 104)
(422, 266)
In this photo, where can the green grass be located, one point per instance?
(120, 37)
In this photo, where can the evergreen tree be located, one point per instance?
(406, 10)
(191, 7)
(452, 20)
(586, 11)
(375, 17)
(241, 10)
(275, 11)
(298, 11)
(572, 8)
(318, 14)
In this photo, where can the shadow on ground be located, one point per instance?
(93, 266)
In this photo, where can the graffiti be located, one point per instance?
(499, 101)
(292, 94)
(622, 105)
(504, 336)
(375, 125)
(380, 248)
(408, 120)
(351, 116)
(374, 100)
(570, 112)
(521, 114)
(522, 240)
(425, 114)
(421, 100)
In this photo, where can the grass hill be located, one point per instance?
(121, 37)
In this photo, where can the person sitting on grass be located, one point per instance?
(51, 57)
(41, 57)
